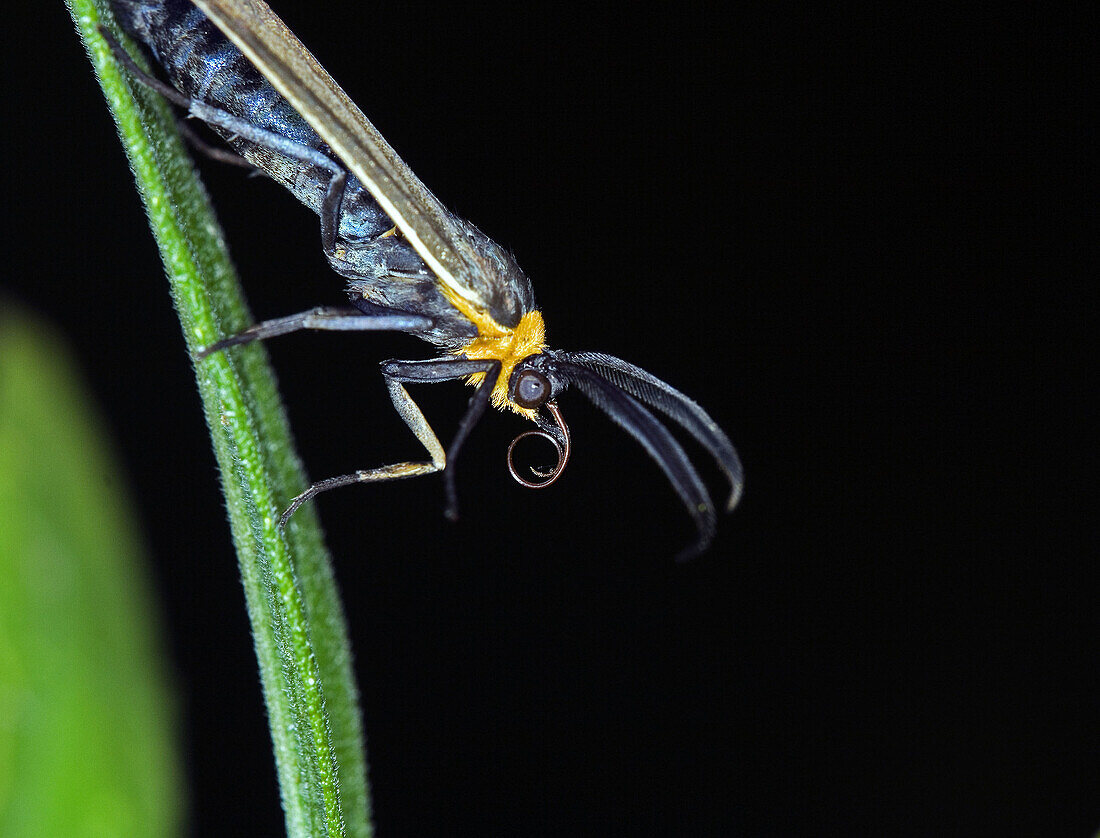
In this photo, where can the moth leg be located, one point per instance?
(222, 119)
(330, 211)
(425, 372)
(397, 374)
(218, 155)
(326, 319)
(152, 82)
(410, 412)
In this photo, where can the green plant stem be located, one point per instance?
(297, 619)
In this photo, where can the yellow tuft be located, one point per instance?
(509, 346)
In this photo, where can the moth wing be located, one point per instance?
(283, 60)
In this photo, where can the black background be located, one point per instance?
(854, 237)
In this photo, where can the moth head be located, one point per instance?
(628, 395)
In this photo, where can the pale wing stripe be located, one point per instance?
(278, 54)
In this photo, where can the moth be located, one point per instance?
(409, 264)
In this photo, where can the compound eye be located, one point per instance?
(532, 389)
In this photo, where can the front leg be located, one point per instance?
(399, 373)
(427, 372)
(323, 318)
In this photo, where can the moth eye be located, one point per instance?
(532, 389)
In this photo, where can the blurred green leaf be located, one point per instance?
(87, 721)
